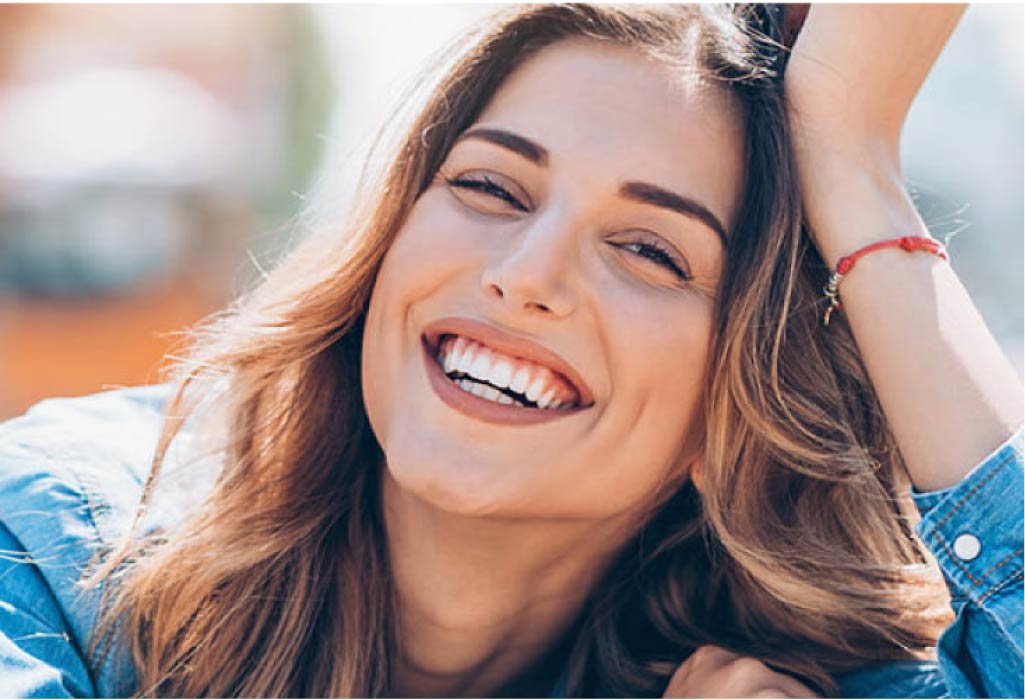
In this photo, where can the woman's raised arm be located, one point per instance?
(948, 392)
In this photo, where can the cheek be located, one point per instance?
(435, 240)
(671, 374)
(419, 260)
(431, 247)
(658, 383)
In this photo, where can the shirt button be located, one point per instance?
(967, 546)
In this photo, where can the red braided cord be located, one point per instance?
(908, 243)
(844, 265)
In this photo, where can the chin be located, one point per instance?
(461, 489)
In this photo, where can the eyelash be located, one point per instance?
(658, 255)
(648, 250)
(488, 186)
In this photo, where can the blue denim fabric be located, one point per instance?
(71, 472)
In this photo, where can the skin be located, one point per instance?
(938, 371)
(713, 672)
(493, 554)
(935, 365)
(497, 533)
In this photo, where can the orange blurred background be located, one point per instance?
(143, 151)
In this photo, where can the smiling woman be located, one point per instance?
(556, 414)
(563, 237)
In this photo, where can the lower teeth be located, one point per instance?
(488, 393)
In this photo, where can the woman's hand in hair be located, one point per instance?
(714, 672)
(948, 392)
(855, 68)
(850, 80)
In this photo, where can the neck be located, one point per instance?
(484, 602)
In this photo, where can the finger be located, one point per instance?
(791, 686)
(710, 657)
(701, 664)
(770, 693)
(755, 674)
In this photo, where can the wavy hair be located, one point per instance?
(798, 550)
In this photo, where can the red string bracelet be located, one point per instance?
(844, 265)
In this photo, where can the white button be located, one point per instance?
(967, 546)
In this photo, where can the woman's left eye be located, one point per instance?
(486, 185)
(658, 255)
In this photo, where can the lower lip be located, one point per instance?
(482, 409)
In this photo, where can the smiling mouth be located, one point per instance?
(503, 379)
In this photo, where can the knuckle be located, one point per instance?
(749, 667)
(709, 653)
(770, 693)
(681, 671)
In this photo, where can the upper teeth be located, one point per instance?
(537, 383)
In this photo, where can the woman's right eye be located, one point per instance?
(487, 188)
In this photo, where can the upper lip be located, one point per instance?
(508, 344)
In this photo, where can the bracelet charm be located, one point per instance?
(844, 265)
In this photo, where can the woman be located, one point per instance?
(558, 411)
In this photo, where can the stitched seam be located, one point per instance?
(985, 480)
(956, 560)
(1003, 561)
(88, 498)
(997, 586)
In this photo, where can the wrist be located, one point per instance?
(851, 207)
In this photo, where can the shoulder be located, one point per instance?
(897, 679)
(71, 473)
(85, 456)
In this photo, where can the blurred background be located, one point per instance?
(152, 157)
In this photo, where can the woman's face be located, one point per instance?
(573, 240)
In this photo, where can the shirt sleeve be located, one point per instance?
(975, 531)
(38, 656)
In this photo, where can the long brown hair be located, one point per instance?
(798, 550)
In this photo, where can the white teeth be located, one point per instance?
(483, 391)
(465, 360)
(518, 383)
(533, 392)
(501, 372)
(487, 392)
(491, 393)
(460, 347)
(481, 367)
(457, 354)
(454, 349)
(450, 360)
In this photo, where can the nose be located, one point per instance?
(533, 274)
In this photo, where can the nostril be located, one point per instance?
(496, 289)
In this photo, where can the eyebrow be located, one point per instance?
(652, 194)
(534, 152)
(643, 192)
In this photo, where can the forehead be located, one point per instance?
(612, 112)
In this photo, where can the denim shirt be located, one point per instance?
(71, 472)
